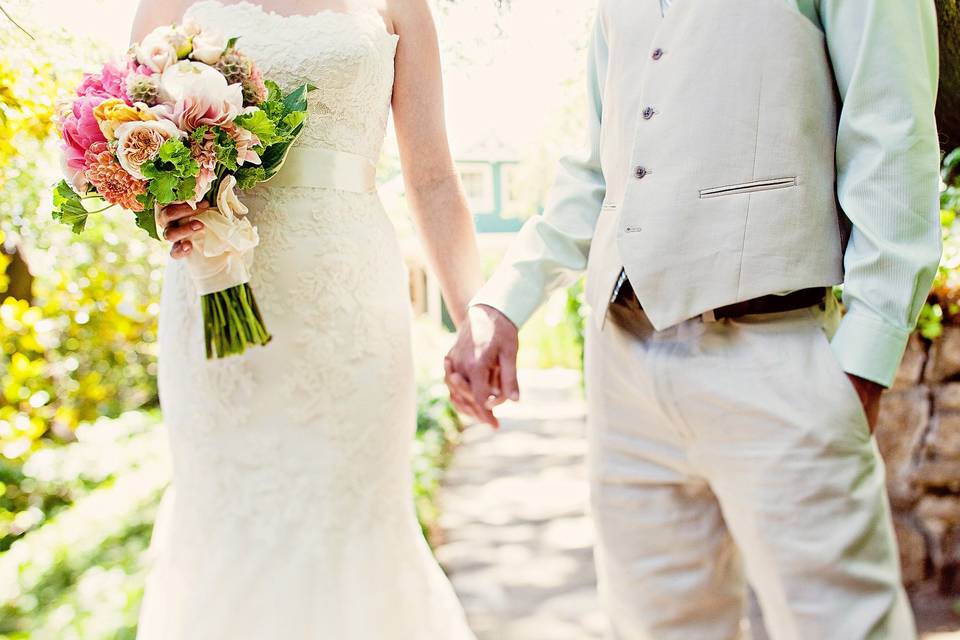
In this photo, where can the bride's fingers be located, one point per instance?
(172, 213)
(181, 249)
(177, 232)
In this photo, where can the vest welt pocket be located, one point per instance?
(748, 187)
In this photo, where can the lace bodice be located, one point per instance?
(348, 56)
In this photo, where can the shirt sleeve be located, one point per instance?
(551, 249)
(885, 60)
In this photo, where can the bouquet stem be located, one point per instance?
(232, 322)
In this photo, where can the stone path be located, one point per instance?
(517, 539)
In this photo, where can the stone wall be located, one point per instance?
(919, 437)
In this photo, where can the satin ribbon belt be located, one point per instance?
(322, 168)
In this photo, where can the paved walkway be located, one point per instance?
(518, 541)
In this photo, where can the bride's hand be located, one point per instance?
(179, 227)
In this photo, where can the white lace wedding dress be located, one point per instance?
(290, 515)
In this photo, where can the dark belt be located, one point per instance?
(626, 302)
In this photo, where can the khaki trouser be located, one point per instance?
(719, 449)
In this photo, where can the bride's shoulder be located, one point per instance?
(405, 12)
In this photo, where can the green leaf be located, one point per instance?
(226, 150)
(296, 100)
(273, 105)
(68, 208)
(294, 120)
(147, 222)
(231, 43)
(250, 176)
(259, 124)
(164, 188)
(177, 154)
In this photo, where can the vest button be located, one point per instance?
(640, 173)
(648, 113)
(657, 53)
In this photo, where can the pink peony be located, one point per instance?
(109, 83)
(112, 182)
(200, 95)
(80, 131)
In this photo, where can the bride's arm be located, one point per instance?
(436, 196)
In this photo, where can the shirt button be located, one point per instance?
(648, 113)
(657, 53)
(640, 173)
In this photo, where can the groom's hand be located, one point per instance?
(869, 393)
(481, 369)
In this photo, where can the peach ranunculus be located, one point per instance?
(112, 182)
(114, 112)
(204, 151)
(139, 142)
(200, 96)
(246, 141)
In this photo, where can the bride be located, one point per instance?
(290, 514)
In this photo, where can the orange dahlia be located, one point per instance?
(112, 182)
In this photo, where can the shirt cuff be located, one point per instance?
(516, 298)
(869, 348)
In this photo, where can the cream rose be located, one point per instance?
(208, 47)
(158, 51)
(223, 251)
(139, 142)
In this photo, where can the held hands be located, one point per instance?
(179, 227)
(481, 369)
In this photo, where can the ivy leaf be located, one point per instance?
(68, 208)
(296, 100)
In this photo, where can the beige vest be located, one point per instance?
(729, 189)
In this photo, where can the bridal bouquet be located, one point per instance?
(185, 117)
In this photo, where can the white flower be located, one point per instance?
(190, 29)
(157, 51)
(208, 47)
(139, 142)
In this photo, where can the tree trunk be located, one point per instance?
(948, 106)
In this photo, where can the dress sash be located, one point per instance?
(323, 168)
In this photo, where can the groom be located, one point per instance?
(745, 156)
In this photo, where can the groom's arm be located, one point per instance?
(551, 250)
(885, 59)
